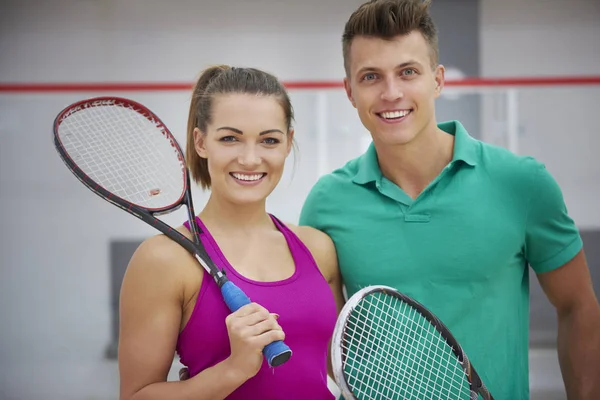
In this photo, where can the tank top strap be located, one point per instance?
(299, 251)
(290, 236)
(280, 225)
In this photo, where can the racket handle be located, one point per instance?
(276, 352)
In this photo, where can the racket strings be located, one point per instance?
(393, 352)
(125, 153)
(410, 373)
(451, 378)
(394, 387)
(390, 388)
(421, 373)
(124, 172)
(434, 364)
(407, 369)
(127, 171)
(366, 343)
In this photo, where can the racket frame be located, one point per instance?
(147, 215)
(337, 354)
(277, 353)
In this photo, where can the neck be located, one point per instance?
(412, 166)
(222, 216)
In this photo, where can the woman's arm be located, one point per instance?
(152, 298)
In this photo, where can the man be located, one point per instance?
(447, 219)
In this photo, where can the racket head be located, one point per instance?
(386, 345)
(123, 152)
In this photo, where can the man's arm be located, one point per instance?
(554, 249)
(569, 288)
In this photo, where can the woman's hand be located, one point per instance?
(250, 329)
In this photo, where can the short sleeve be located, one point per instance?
(552, 238)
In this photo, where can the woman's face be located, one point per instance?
(246, 145)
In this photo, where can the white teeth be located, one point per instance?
(395, 114)
(244, 177)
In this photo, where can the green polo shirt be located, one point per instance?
(461, 248)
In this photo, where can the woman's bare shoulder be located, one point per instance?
(161, 259)
(160, 249)
(321, 247)
(311, 236)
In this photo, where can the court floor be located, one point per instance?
(99, 380)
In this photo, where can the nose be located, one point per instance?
(248, 156)
(392, 91)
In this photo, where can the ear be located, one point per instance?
(439, 79)
(199, 143)
(349, 91)
(290, 141)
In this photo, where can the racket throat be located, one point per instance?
(218, 275)
(221, 278)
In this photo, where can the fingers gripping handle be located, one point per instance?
(276, 352)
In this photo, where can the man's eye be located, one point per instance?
(369, 77)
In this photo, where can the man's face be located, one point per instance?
(393, 86)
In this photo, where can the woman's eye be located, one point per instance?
(227, 139)
(271, 141)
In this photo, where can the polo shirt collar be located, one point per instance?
(465, 149)
(368, 167)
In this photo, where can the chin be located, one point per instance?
(396, 138)
(247, 201)
(248, 197)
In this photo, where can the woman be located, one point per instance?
(239, 136)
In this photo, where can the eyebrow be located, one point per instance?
(228, 128)
(399, 66)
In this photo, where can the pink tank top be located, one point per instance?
(307, 313)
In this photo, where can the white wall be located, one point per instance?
(557, 125)
(160, 40)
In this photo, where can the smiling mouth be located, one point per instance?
(248, 177)
(394, 115)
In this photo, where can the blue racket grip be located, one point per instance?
(276, 352)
